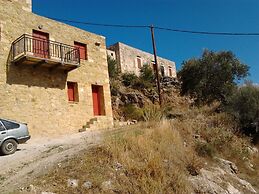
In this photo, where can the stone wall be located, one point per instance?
(127, 59)
(38, 96)
(111, 54)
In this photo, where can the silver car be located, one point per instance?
(12, 133)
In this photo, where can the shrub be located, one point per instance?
(129, 79)
(112, 68)
(152, 113)
(147, 74)
(115, 87)
(130, 111)
(204, 149)
(244, 106)
(142, 84)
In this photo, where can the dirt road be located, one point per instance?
(39, 155)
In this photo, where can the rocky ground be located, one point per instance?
(222, 178)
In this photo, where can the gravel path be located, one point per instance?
(39, 155)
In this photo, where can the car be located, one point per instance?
(12, 133)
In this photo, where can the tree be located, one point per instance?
(244, 106)
(112, 67)
(213, 77)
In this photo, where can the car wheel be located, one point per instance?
(9, 146)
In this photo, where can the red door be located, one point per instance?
(40, 44)
(96, 100)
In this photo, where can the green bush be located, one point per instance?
(152, 113)
(244, 106)
(146, 73)
(204, 149)
(112, 68)
(141, 84)
(115, 87)
(130, 112)
(129, 79)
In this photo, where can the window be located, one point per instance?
(153, 64)
(162, 69)
(170, 71)
(10, 125)
(72, 92)
(1, 127)
(139, 62)
(82, 50)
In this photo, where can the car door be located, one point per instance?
(3, 132)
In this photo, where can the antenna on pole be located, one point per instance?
(156, 65)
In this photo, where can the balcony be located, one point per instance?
(34, 51)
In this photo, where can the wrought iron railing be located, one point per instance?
(46, 49)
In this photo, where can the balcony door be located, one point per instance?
(40, 44)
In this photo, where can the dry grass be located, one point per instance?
(153, 159)
(156, 157)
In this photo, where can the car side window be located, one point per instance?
(10, 125)
(1, 127)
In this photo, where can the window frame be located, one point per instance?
(162, 70)
(78, 45)
(139, 62)
(7, 128)
(2, 125)
(75, 92)
(170, 71)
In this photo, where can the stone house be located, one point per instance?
(130, 59)
(52, 76)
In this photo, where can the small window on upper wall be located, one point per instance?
(153, 65)
(170, 71)
(72, 92)
(82, 50)
(139, 62)
(162, 69)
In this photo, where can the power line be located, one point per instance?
(210, 33)
(100, 24)
(161, 28)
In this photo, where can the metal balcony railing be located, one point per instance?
(45, 49)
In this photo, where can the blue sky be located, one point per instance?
(200, 15)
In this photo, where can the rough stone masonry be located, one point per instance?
(37, 95)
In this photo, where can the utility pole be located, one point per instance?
(156, 65)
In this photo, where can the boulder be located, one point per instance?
(72, 183)
(87, 185)
(107, 185)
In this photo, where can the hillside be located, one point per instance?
(174, 149)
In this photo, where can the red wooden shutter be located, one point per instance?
(82, 49)
(71, 91)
